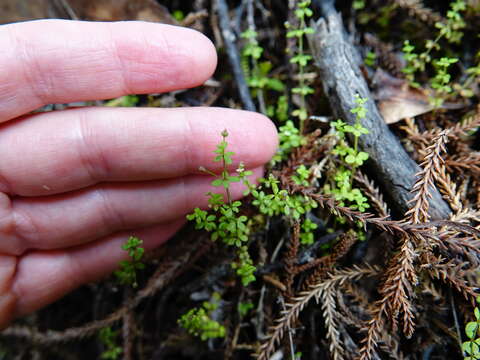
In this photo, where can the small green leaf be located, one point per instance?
(217, 182)
(471, 329)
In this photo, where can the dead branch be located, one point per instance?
(337, 61)
(233, 56)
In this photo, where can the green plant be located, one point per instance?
(472, 346)
(302, 13)
(123, 101)
(244, 266)
(127, 274)
(178, 15)
(440, 82)
(351, 158)
(451, 30)
(225, 223)
(244, 307)
(306, 234)
(358, 4)
(301, 176)
(473, 74)
(198, 321)
(107, 338)
(257, 72)
(289, 138)
(272, 201)
(370, 58)
(414, 63)
(280, 111)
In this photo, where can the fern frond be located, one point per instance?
(297, 303)
(418, 212)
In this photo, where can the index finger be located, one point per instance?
(60, 61)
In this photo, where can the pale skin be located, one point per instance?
(76, 183)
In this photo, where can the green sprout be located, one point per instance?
(225, 223)
(451, 30)
(351, 159)
(289, 138)
(302, 13)
(257, 72)
(370, 58)
(471, 347)
(107, 338)
(123, 101)
(127, 274)
(244, 308)
(198, 321)
(440, 82)
(302, 174)
(306, 234)
(273, 201)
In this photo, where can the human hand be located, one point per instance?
(76, 183)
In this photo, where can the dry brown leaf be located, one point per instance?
(397, 100)
(97, 10)
(21, 10)
(115, 10)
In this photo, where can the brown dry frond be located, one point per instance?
(297, 303)
(389, 343)
(466, 247)
(373, 194)
(430, 169)
(396, 293)
(290, 258)
(455, 132)
(396, 290)
(452, 274)
(373, 332)
(466, 125)
(326, 263)
(466, 215)
(364, 218)
(416, 9)
(413, 142)
(330, 316)
(469, 163)
(449, 189)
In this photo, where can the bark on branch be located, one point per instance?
(338, 64)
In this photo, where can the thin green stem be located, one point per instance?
(301, 77)
(437, 39)
(225, 178)
(354, 166)
(256, 70)
(206, 171)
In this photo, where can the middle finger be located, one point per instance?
(56, 152)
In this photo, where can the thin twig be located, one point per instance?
(233, 56)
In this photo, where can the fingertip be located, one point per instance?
(270, 134)
(205, 55)
(257, 137)
(191, 53)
